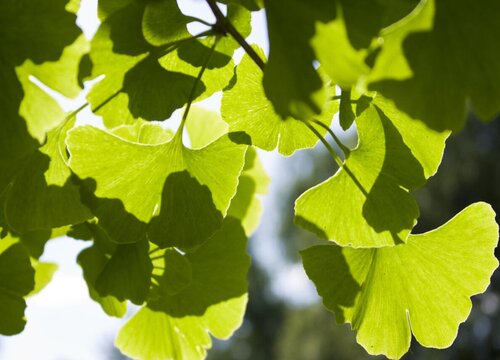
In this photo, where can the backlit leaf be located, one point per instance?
(421, 287)
(184, 193)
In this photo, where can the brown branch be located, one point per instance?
(224, 25)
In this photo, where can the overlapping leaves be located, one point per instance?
(196, 294)
(248, 111)
(150, 61)
(291, 82)
(408, 47)
(367, 203)
(170, 222)
(30, 46)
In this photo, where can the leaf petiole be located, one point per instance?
(195, 86)
(344, 148)
(330, 149)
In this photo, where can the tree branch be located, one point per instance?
(225, 26)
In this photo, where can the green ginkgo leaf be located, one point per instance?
(421, 287)
(185, 193)
(247, 110)
(367, 203)
(16, 281)
(43, 195)
(337, 33)
(38, 109)
(92, 262)
(435, 82)
(206, 294)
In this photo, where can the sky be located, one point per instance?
(63, 323)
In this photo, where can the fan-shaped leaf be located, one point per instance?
(421, 287)
(184, 193)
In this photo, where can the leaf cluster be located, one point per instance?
(167, 214)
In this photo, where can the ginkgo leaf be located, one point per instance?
(107, 7)
(38, 109)
(43, 195)
(184, 193)
(421, 287)
(246, 109)
(62, 75)
(177, 323)
(435, 82)
(189, 56)
(16, 281)
(367, 203)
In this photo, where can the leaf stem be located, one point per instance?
(201, 21)
(330, 149)
(155, 250)
(344, 148)
(195, 86)
(224, 26)
(165, 49)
